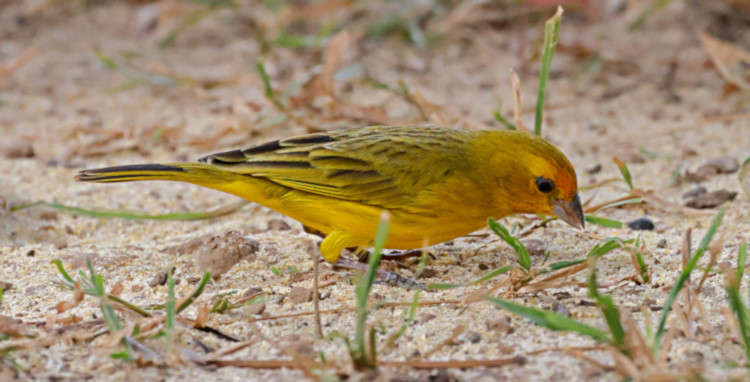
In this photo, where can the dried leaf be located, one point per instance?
(725, 55)
(77, 294)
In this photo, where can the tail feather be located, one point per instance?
(244, 186)
(132, 173)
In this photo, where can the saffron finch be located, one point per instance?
(437, 183)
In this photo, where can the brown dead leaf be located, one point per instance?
(725, 55)
(117, 289)
(77, 294)
(65, 306)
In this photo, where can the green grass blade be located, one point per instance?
(603, 222)
(609, 310)
(268, 89)
(493, 274)
(684, 276)
(362, 290)
(564, 264)
(137, 215)
(170, 305)
(551, 33)
(551, 320)
(499, 117)
(603, 247)
(624, 171)
(735, 301)
(196, 293)
(523, 255)
(63, 272)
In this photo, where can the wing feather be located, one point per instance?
(383, 166)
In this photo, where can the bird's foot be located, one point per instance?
(387, 277)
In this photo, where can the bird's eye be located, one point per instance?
(544, 185)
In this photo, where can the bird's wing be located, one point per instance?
(380, 166)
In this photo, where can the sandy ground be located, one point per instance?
(73, 112)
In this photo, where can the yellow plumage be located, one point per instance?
(437, 183)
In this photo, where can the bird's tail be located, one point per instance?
(196, 173)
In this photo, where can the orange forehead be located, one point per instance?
(566, 182)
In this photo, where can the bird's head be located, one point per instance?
(533, 176)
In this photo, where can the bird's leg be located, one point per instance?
(364, 254)
(388, 277)
(332, 251)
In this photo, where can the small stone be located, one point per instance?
(222, 252)
(188, 247)
(30, 253)
(711, 199)
(560, 308)
(483, 266)
(136, 288)
(723, 165)
(60, 243)
(700, 190)
(159, 278)
(252, 292)
(21, 150)
(595, 170)
(255, 309)
(426, 318)
(562, 295)
(662, 243)
(428, 272)
(535, 247)
(501, 325)
(473, 337)
(278, 225)
(5, 286)
(641, 224)
(299, 295)
(193, 280)
(49, 215)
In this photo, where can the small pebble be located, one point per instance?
(299, 295)
(255, 309)
(428, 272)
(160, 278)
(22, 150)
(473, 337)
(641, 224)
(5, 286)
(252, 291)
(711, 199)
(278, 225)
(662, 243)
(426, 317)
(49, 215)
(501, 325)
(222, 252)
(535, 247)
(723, 165)
(594, 170)
(560, 308)
(700, 190)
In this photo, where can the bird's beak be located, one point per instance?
(570, 212)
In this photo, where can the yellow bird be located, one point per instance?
(437, 183)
